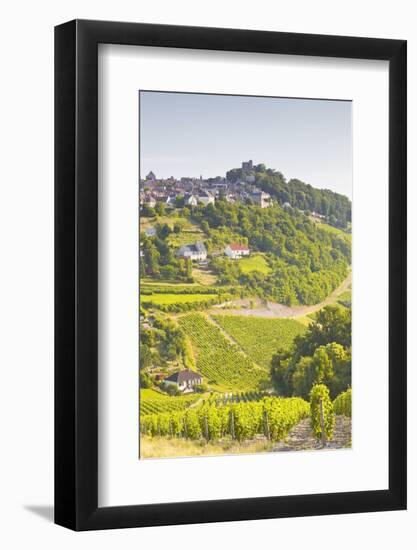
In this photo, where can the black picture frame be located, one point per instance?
(76, 272)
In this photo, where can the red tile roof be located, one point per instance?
(235, 246)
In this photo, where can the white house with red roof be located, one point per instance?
(235, 251)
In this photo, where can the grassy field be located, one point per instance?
(152, 401)
(204, 276)
(168, 299)
(260, 337)
(185, 237)
(189, 233)
(162, 447)
(169, 219)
(148, 281)
(219, 360)
(254, 263)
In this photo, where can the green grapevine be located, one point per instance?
(152, 401)
(260, 337)
(343, 403)
(273, 417)
(320, 394)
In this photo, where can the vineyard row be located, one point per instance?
(272, 417)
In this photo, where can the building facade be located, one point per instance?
(236, 251)
(196, 251)
(184, 380)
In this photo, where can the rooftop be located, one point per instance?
(183, 376)
(197, 248)
(236, 246)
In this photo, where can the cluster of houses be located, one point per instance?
(197, 191)
(198, 252)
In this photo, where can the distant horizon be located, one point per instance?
(188, 135)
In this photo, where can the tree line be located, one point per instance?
(306, 262)
(336, 208)
(322, 355)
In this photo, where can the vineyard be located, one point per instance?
(260, 337)
(165, 288)
(343, 403)
(272, 417)
(153, 402)
(219, 360)
(169, 299)
(239, 397)
(220, 422)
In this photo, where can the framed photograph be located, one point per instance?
(230, 245)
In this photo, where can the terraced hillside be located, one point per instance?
(153, 402)
(260, 337)
(218, 359)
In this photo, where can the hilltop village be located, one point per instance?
(174, 193)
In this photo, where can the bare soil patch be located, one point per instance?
(301, 437)
(259, 308)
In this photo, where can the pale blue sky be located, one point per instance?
(192, 134)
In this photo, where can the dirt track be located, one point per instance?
(271, 309)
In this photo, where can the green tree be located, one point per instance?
(163, 230)
(147, 211)
(205, 227)
(151, 258)
(281, 372)
(144, 380)
(160, 208)
(302, 379)
(331, 324)
(315, 360)
(188, 269)
(322, 366)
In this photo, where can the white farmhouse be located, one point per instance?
(196, 251)
(235, 251)
(184, 380)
